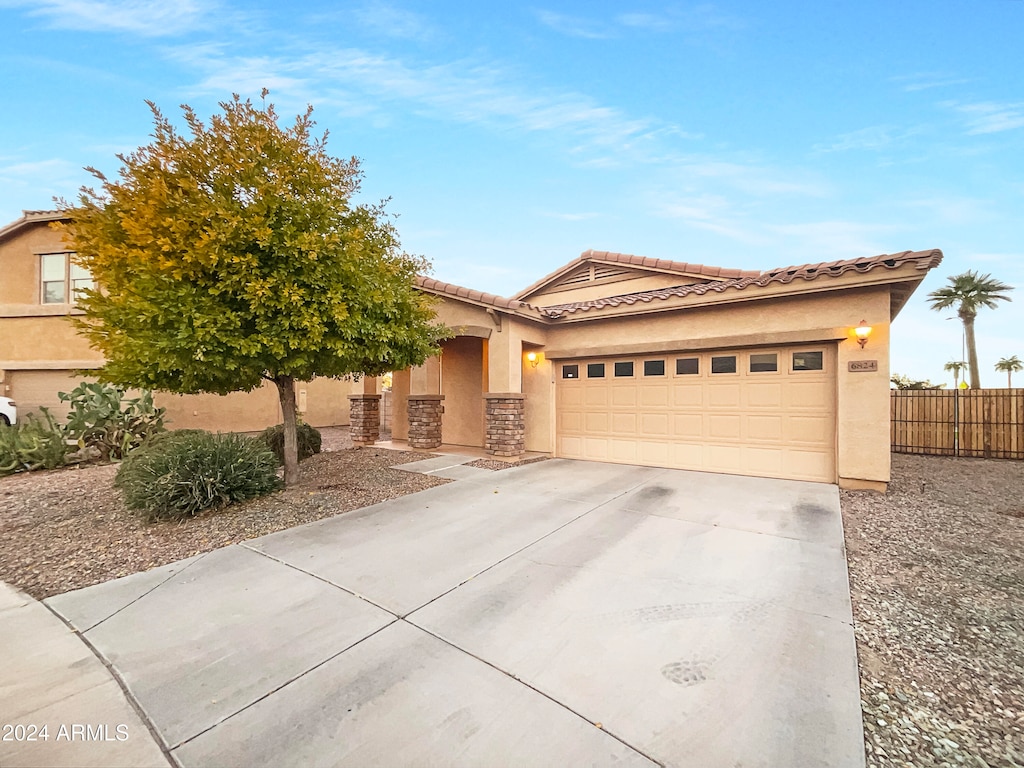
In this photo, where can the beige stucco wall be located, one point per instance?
(462, 384)
(19, 255)
(37, 341)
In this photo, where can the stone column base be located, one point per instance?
(364, 418)
(506, 425)
(425, 420)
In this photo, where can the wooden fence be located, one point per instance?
(982, 423)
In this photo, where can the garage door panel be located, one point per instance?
(570, 396)
(809, 429)
(654, 424)
(656, 453)
(764, 394)
(654, 396)
(764, 461)
(690, 425)
(723, 395)
(623, 450)
(725, 458)
(684, 395)
(724, 426)
(768, 423)
(624, 396)
(624, 423)
(595, 448)
(765, 428)
(807, 395)
(570, 421)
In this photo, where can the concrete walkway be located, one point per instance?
(558, 613)
(59, 705)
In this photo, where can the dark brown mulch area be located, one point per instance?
(937, 580)
(67, 529)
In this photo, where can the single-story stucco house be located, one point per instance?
(612, 357)
(622, 358)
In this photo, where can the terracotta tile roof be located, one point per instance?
(31, 217)
(664, 265)
(923, 260)
(457, 291)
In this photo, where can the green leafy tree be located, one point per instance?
(970, 292)
(954, 367)
(234, 254)
(1010, 366)
(905, 382)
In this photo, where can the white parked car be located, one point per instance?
(8, 412)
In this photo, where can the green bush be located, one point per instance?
(103, 419)
(31, 444)
(185, 472)
(308, 438)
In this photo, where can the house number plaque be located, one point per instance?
(863, 365)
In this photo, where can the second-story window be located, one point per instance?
(61, 279)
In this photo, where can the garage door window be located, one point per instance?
(595, 371)
(624, 369)
(764, 362)
(687, 366)
(654, 367)
(807, 361)
(570, 371)
(725, 364)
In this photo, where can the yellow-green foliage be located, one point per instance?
(235, 254)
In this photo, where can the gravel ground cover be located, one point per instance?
(498, 464)
(938, 599)
(67, 529)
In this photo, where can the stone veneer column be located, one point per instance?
(425, 420)
(364, 418)
(506, 427)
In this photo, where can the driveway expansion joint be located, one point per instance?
(129, 696)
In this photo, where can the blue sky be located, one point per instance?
(511, 137)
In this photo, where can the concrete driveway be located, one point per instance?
(558, 613)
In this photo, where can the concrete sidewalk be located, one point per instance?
(59, 705)
(557, 613)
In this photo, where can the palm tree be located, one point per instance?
(955, 366)
(968, 293)
(1011, 365)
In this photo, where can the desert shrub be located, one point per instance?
(189, 471)
(102, 418)
(31, 444)
(308, 438)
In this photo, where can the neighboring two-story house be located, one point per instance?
(40, 351)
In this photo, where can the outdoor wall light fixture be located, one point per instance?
(863, 331)
(532, 357)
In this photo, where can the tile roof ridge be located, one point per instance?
(461, 292)
(924, 260)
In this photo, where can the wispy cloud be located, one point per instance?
(574, 26)
(990, 116)
(923, 81)
(395, 22)
(650, 21)
(873, 138)
(699, 18)
(149, 18)
(829, 240)
(464, 92)
(569, 216)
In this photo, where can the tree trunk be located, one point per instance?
(286, 393)
(972, 351)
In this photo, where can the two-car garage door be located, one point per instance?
(765, 412)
